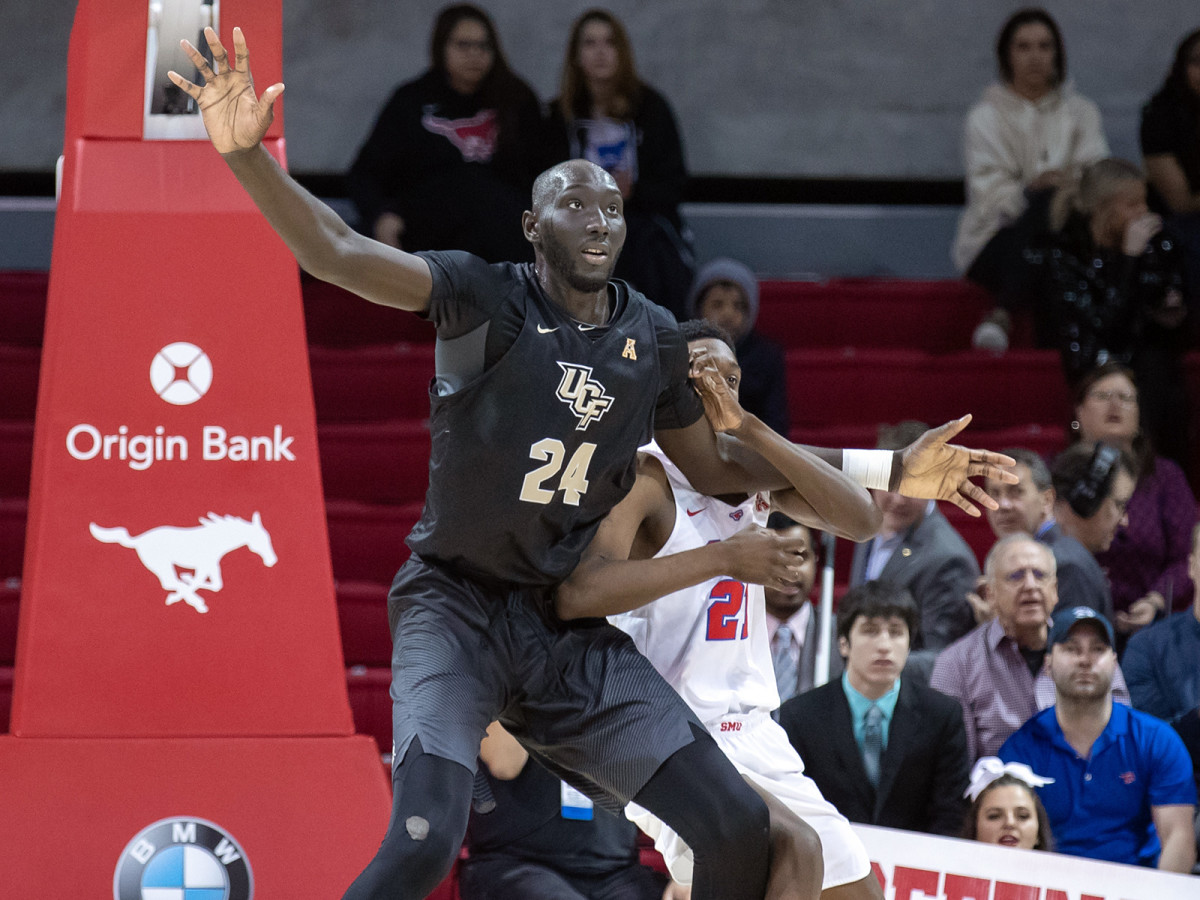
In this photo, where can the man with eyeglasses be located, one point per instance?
(1028, 506)
(996, 671)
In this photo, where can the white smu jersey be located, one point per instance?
(708, 641)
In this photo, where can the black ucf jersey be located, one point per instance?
(528, 456)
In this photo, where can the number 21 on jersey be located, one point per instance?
(573, 483)
(727, 612)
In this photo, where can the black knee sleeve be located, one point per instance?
(431, 798)
(702, 797)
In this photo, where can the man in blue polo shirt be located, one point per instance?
(1123, 788)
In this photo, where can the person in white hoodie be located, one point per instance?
(1027, 134)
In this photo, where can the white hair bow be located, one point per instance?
(989, 768)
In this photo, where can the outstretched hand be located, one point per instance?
(233, 116)
(721, 408)
(934, 469)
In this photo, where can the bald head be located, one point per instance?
(550, 183)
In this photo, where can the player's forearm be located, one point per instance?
(844, 506)
(314, 233)
(604, 587)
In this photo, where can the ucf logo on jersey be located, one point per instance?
(585, 397)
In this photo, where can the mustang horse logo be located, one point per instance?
(187, 560)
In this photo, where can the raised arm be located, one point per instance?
(817, 495)
(619, 573)
(236, 120)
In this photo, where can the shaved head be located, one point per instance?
(548, 185)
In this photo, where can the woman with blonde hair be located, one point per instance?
(605, 113)
(1107, 285)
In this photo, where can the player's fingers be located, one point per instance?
(996, 473)
(992, 458)
(197, 59)
(184, 85)
(950, 429)
(241, 55)
(269, 96)
(220, 57)
(973, 492)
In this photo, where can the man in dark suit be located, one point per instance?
(883, 750)
(917, 548)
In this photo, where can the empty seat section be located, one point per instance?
(366, 541)
(371, 383)
(934, 316)
(23, 307)
(16, 457)
(378, 462)
(370, 702)
(13, 514)
(362, 616)
(335, 317)
(18, 381)
(10, 601)
(862, 387)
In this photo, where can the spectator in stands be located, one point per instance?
(995, 672)
(725, 292)
(452, 157)
(1162, 662)
(1028, 507)
(1107, 283)
(1024, 137)
(883, 749)
(606, 114)
(1005, 808)
(1147, 562)
(1143, 797)
(541, 840)
(1170, 138)
(918, 549)
(792, 623)
(1092, 487)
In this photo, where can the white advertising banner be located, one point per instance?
(915, 866)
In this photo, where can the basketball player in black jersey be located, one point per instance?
(548, 379)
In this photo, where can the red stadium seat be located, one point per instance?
(933, 316)
(16, 457)
(23, 307)
(13, 515)
(366, 542)
(6, 695)
(10, 603)
(362, 615)
(370, 703)
(19, 380)
(371, 383)
(377, 462)
(337, 318)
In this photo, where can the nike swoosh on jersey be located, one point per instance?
(697, 511)
(583, 327)
(542, 330)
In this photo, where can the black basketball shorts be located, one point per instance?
(579, 696)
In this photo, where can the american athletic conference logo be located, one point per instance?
(586, 397)
(183, 859)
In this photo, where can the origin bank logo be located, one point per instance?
(183, 859)
(181, 373)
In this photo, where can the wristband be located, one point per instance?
(870, 468)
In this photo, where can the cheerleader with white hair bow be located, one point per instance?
(1005, 808)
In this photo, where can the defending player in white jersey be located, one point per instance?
(706, 630)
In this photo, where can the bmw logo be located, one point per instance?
(183, 859)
